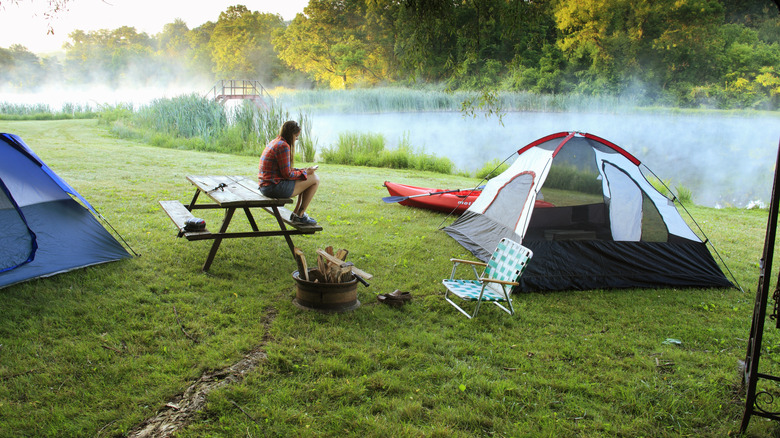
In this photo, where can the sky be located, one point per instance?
(25, 23)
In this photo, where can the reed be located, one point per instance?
(374, 100)
(684, 194)
(439, 98)
(306, 141)
(368, 149)
(194, 122)
(40, 111)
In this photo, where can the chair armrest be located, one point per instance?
(490, 280)
(468, 262)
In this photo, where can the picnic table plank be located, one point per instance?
(231, 193)
(179, 215)
(239, 191)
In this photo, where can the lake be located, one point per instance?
(725, 160)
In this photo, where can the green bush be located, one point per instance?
(567, 177)
(684, 194)
(368, 149)
(491, 169)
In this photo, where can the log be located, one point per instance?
(332, 259)
(301, 259)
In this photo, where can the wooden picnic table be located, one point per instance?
(231, 193)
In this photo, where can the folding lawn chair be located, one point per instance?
(501, 274)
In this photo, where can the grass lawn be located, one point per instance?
(97, 351)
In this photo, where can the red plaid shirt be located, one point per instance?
(275, 164)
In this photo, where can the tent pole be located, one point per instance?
(475, 187)
(690, 216)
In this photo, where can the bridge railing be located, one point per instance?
(238, 89)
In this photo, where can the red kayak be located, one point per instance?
(456, 201)
(448, 201)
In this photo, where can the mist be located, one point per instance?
(725, 160)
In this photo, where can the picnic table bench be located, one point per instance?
(231, 193)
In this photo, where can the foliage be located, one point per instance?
(194, 122)
(240, 44)
(332, 42)
(492, 169)
(367, 149)
(690, 53)
(96, 351)
(306, 141)
(569, 177)
(108, 56)
(15, 111)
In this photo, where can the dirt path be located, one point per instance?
(179, 412)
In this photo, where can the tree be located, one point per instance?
(22, 68)
(173, 41)
(109, 55)
(612, 43)
(200, 60)
(241, 44)
(470, 43)
(330, 43)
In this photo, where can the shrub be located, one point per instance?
(567, 177)
(684, 194)
(491, 169)
(367, 149)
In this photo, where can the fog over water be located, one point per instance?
(725, 160)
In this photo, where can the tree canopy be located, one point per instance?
(718, 53)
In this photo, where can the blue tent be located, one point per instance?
(46, 227)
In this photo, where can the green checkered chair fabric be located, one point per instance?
(500, 275)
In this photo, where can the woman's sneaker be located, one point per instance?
(302, 220)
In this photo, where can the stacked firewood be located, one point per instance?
(332, 267)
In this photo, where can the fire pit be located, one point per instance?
(325, 297)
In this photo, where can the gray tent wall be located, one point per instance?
(608, 227)
(45, 231)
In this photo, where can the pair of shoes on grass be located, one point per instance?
(302, 220)
(396, 298)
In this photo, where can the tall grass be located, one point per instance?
(186, 116)
(40, 111)
(194, 122)
(439, 98)
(306, 142)
(373, 100)
(684, 194)
(368, 149)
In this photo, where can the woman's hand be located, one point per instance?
(311, 170)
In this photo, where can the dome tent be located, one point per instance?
(608, 227)
(45, 231)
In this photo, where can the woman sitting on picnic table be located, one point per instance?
(278, 179)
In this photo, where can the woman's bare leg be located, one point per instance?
(306, 189)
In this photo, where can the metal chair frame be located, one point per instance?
(501, 273)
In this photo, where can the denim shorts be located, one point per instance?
(282, 190)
